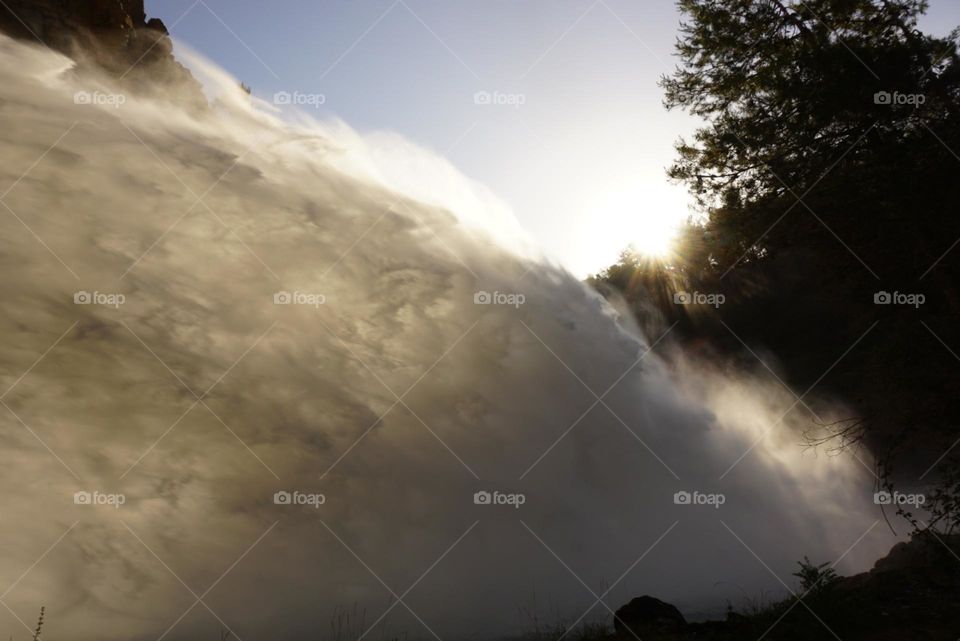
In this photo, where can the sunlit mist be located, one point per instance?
(308, 329)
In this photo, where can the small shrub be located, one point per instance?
(814, 579)
(36, 633)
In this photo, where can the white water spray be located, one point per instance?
(292, 323)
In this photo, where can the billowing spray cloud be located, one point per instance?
(247, 382)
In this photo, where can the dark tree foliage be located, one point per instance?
(809, 105)
(826, 172)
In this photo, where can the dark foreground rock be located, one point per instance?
(646, 617)
(912, 594)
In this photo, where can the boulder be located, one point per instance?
(648, 619)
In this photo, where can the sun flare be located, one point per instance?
(645, 216)
(654, 238)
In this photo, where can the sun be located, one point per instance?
(645, 216)
(654, 237)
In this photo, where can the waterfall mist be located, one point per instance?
(184, 385)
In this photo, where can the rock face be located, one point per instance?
(923, 551)
(118, 27)
(113, 35)
(646, 618)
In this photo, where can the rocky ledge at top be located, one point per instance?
(112, 35)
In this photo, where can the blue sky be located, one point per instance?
(581, 161)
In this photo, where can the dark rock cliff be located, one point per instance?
(112, 35)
